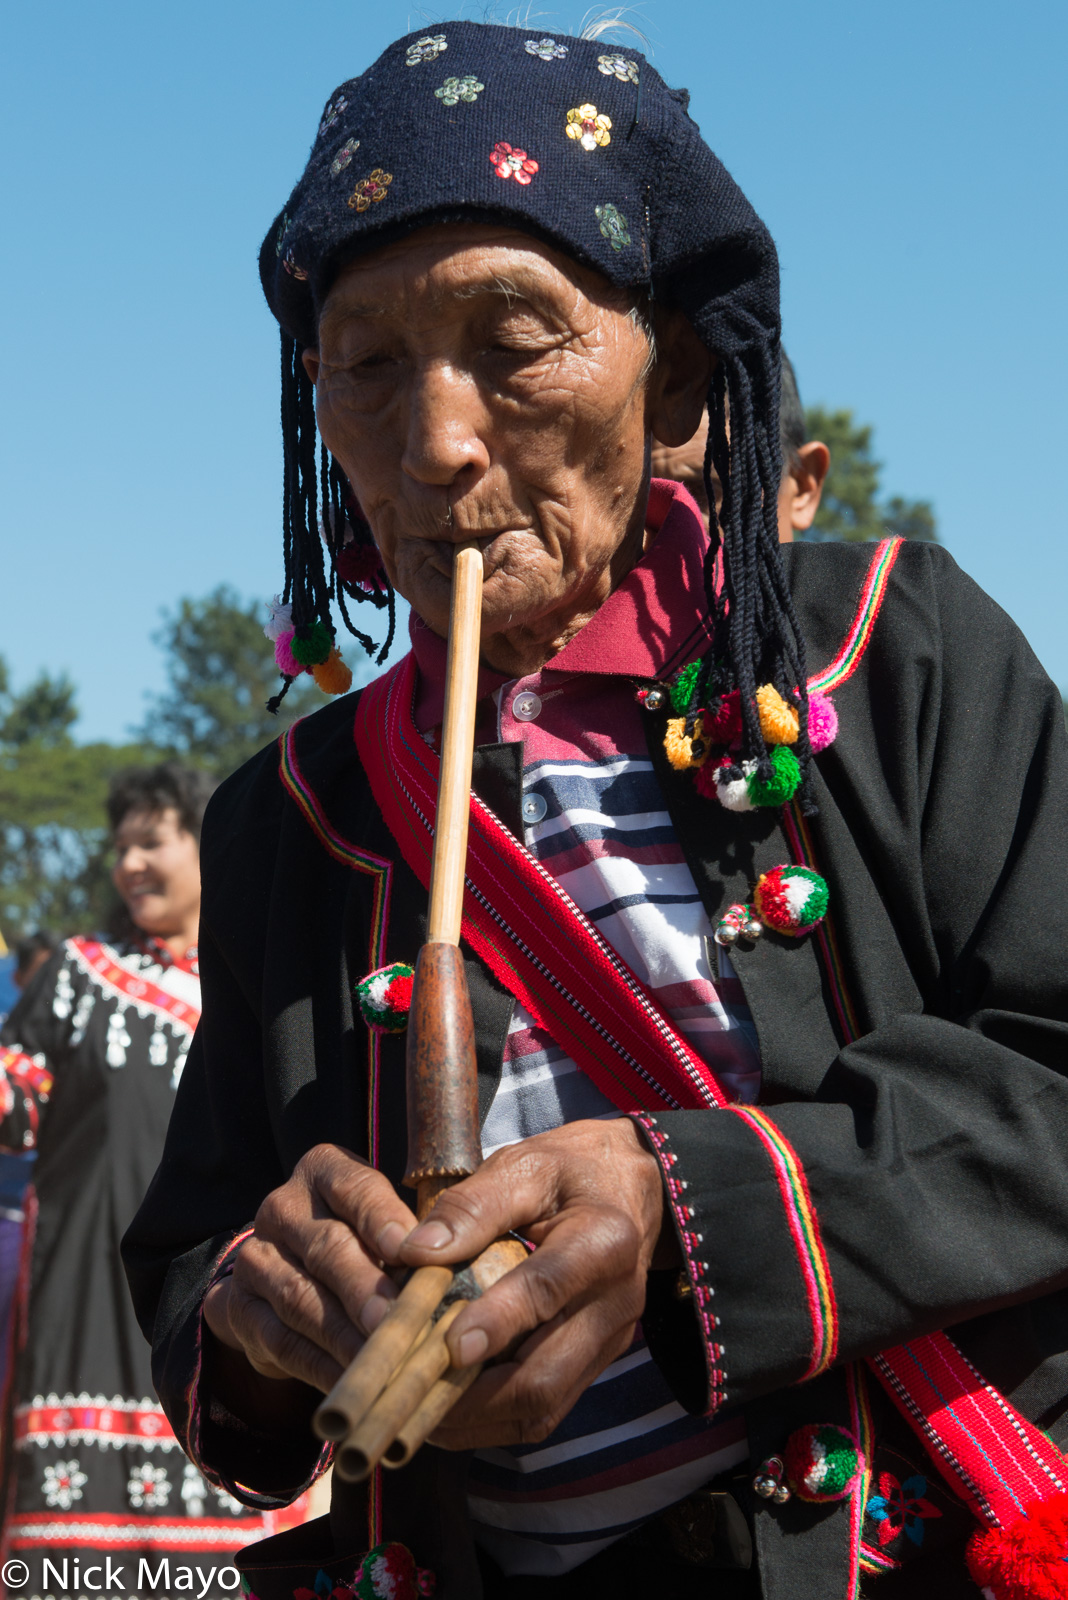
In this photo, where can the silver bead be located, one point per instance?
(654, 700)
(726, 933)
(753, 929)
(781, 1495)
(764, 1486)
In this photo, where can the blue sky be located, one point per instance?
(909, 159)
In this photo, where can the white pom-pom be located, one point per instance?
(734, 792)
(281, 619)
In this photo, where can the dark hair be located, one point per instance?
(792, 431)
(164, 787)
(34, 944)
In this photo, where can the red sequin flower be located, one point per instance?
(512, 163)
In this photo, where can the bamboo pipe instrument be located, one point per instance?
(400, 1386)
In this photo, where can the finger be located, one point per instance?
(514, 1188)
(273, 1349)
(523, 1402)
(303, 1303)
(362, 1197)
(588, 1249)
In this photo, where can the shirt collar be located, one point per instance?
(653, 624)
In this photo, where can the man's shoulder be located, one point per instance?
(246, 813)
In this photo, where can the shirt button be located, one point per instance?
(534, 808)
(526, 706)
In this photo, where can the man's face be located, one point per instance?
(472, 373)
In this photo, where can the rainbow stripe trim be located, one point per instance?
(856, 640)
(381, 872)
(805, 1232)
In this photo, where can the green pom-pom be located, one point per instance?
(682, 688)
(314, 647)
(822, 1463)
(784, 781)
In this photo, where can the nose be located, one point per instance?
(130, 861)
(446, 426)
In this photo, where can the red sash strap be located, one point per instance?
(529, 932)
(535, 939)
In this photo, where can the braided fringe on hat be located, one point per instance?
(316, 545)
(754, 612)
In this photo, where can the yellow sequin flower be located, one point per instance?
(370, 191)
(588, 127)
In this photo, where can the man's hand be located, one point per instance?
(308, 1286)
(590, 1196)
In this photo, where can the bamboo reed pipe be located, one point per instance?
(437, 1405)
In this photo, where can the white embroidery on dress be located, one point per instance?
(148, 1487)
(62, 1484)
(157, 1048)
(82, 1012)
(119, 1040)
(63, 998)
(193, 1491)
(179, 1066)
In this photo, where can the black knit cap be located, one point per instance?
(583, 145)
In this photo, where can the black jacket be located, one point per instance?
(934, 1146)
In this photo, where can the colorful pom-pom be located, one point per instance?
(823, 1462)
(389, 1572)
(281, 619)
(726, 726)
(734, 792)
(682, 689)
(285, 660)
(791, 899)
(778, 721)
(783, 783)
(315, 645)
(332, 675)
(822, 722)
(385, 997)
(682, 752)
(1028, 1560)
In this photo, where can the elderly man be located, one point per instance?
(797, 1105)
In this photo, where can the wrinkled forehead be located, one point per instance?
(442, 267)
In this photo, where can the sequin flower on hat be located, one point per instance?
(292, 268)
(588, 126)
(548, 50)
(618, 67)
(510, 163)
(613, 225)
(426, 49)
(466, 88)
(332, 113)
(344, 156)
(370, 190)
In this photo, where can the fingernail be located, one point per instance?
(373, 1312)
(390, 1240)
(473, 1347)
(431, 1236)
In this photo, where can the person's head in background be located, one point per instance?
(155, 815)
(805, 463)
(31, 953)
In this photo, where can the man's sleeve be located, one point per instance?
(927, 1181)
(34, 1041)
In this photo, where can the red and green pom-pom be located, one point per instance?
(822, 1462)
(314, 647)
(791, 899)
(389, 1572)
(385, 997)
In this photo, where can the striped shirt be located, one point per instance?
(595, 818)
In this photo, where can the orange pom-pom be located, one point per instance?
(684, 753)
(778, 721)
(332, 675)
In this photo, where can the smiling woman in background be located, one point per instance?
(90, 1060)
